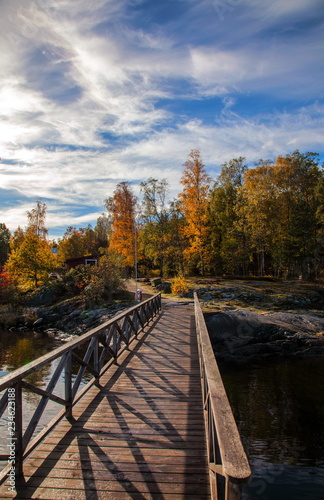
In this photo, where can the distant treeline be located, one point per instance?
(265, 220)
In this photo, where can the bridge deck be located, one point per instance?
(140, 436)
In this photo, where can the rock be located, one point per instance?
(165, 287)
(38, 322)
(242, 336)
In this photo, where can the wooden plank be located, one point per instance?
(180, 466)
(139, 436)
(115, 485)
(88, 494)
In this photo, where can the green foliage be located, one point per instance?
(105, 279)
(75, 280)
(154, 235)
(4, 243)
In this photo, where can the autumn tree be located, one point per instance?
(17, 238)
(282, 204)
(194, 201)
(31, 261)
(105, 279)
(122, 210)
(73, 244)
(85, 240)
(297, 176)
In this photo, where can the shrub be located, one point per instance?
(8, 291)
(9, 318)
(179, 286)
(105, 279)
(75, 280)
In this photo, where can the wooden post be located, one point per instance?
(68, 385)
(232, 491)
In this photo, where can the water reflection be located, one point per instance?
(18, 349)
(279, 410)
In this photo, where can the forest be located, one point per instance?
(265, 220)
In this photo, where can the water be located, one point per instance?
(18, 349)
(278, 407)
(279, 410)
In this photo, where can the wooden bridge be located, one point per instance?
(153, 423)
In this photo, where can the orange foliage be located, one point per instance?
(122, 207)
(194, 201)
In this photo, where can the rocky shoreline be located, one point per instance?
(65, 319)
(248, 322)
(243, 337)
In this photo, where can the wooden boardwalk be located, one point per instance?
(140, 435)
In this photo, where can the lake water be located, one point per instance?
(16, 350)
(278, 407)
(279, 410)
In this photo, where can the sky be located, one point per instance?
(95, 93)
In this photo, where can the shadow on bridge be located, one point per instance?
(138, 435)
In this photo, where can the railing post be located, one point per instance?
(232, 491)
(96, 359)
(68, 384)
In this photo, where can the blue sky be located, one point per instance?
(94, 93)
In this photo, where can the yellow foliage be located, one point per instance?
(179, 285)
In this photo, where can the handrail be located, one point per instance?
(228, 464)
(104, 344)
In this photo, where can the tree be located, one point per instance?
(17, 238)
(194, 200)
(36, 219)
(227, 235)
(4, 243)
(281, 207)
(297, 177)
(258, 193)
(105, 279)
(31, 261)
(177, 239)
(122, 209)
(102, 231)
(155, 217)
(78, 243)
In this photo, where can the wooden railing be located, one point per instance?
(228, 464)
(102, 345)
